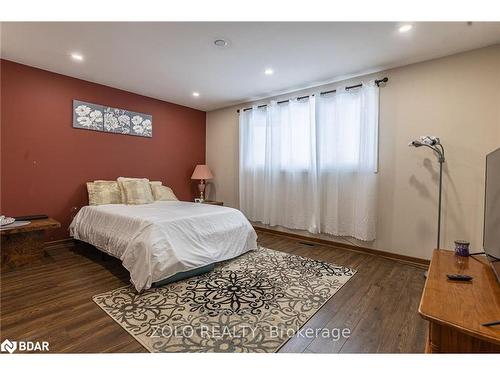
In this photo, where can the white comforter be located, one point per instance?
(156, 241)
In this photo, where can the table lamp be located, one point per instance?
(202, 173)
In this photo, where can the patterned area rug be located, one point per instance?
(253, 303)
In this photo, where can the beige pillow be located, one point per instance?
(137, 191)
(114, 184)
(121, 179)
(159, 183)
(163, 193)
(103, 192)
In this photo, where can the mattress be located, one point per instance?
(158, 240)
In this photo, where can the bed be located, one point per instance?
(158, 241)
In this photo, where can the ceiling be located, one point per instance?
(170, 61)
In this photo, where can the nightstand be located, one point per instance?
(24, 245)
(214, 202)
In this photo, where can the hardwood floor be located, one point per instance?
(51, 301)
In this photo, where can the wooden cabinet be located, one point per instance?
(24, 245)
(456, 310)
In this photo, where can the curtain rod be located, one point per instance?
(377, 82)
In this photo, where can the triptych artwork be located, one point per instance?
(111, 120)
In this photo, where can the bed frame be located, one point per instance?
(184, 275)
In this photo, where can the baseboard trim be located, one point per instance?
(65, 242)
(384, 254)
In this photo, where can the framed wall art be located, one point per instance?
(97, 117)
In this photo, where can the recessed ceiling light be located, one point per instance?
(268, 72)
(76, 56)
(221, 42)
(405, 28)
(196, 94)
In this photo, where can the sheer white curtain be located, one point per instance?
(310, 164)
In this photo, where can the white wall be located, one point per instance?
(456, 98)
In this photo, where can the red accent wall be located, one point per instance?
(45, 162)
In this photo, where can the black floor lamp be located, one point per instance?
(435, 145)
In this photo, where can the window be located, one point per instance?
(310, 163)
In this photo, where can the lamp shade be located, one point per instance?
(202, 172)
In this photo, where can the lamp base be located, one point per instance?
(201, 188)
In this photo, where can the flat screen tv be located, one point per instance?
(491, 235)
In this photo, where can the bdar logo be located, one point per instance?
(8, 346)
